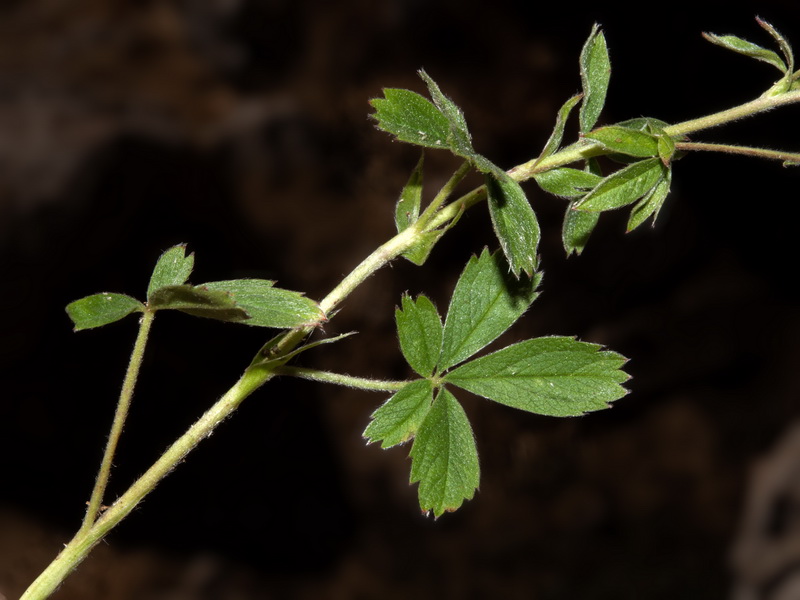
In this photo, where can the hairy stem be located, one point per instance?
(793, 157)
(361, 383)
(123, 406)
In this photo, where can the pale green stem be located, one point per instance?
(80, 546)
(745, 150)
(444, 194)
(123, 405)
(361, 383)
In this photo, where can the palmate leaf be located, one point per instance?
(556, 376)
(101, 309)
(399, 418)
(444, 457)
(411, 118)
(485, 303)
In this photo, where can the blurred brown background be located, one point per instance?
(240, 127)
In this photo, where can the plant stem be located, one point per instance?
(361, 383)
(123, 405)
(83, 542)
(748, 109)
(444, 194)
(793, 157)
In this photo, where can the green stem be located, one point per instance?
(362, 383)
(444, 194)
(123, 406)
(745, 150)
(748, 109)
(80, 546)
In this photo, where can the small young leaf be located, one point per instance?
(595, 75)
(666, 149)
(567, 182)
(650, 204)
(420, 331)
(623, 187)
(556, 376)
(514, 222)
(625, 141)
(101, 309)
(172, 268)
(731, 42)
(399, 418)
(269, 306)
(578, 226)
(419, 252)
(198, 302)
(459, 139)
(558, 131)
(444, 457)
(485, 303)
(407, 210)
(411, 118)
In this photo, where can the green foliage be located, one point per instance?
(548, 376)
(625, 186)
(101, 309)
(251, 301)
(595, 75)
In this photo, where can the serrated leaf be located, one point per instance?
(578, 226)
(623, 140)
(269, 306)
(567, 182)
(459, 139)
(557, 376)
(444, 457)
(420, 331)
(650, 204)
(407, 210)
(198, 302)
(172, 268)
(740, 46)
(399, 418)
(411, 118)
(595, 75)
(101, 309)
(623, 187)
(554, 142)
(485, 303)
(514, 222)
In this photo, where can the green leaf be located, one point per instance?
(269, 306)
(556, 376)
(420, 331)
(444, 457)
(399, 418)
(567, 182)
(407, 210)
(740, 46)
(666, 149)
(625, 141)
(558, 131)
(595, 75)
(101, 309)
(198, 302)
(650, 204)
(411, 118)
(514, 222)
(623, 187)
(459, 139)
(485, 303)
(578, 226)
(172, 268)
(266, 356)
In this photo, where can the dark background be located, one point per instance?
(240, 127)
